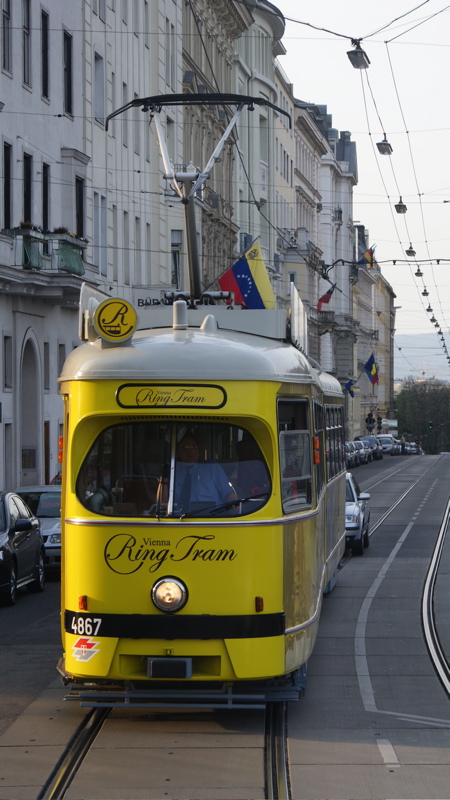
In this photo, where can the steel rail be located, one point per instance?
(398, 501)
(434, 646)
(276, 753)
(75, 752)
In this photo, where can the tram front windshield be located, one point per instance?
(156, 469)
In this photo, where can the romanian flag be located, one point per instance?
(366, 260)
(371, 369)
(350, 388)
(325, 298)
(249, 280)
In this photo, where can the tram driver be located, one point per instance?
(199, 485)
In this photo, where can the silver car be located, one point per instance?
(45, 503)
(357, 517)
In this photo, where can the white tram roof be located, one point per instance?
(205, 353)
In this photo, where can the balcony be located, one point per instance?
(34, 250)
(45, 265)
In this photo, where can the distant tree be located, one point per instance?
(423, 409)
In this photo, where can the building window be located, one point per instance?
(102, 10)
(67, 55)
(27, 186)
(126, 249)
(124, 118)
(6, 31)
(99, 232)
(44, 55)
(7, 363)
(46, 366)
(79, 207)
(113, 101)
(170, 54)
(115, 248)
(7, 162)
(99, 88)
(176, 239)
(45, 202)
(26, 36)
(146, 24)
(138, 117)
(61, 357)
(137, 250)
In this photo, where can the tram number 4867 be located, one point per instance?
(85, 626)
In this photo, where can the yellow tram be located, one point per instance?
(203, 506)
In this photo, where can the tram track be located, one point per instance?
(73, 756)
(400, 499)
(276, 754)
(276, 761)
(435, 649)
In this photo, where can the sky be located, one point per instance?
(403, 94)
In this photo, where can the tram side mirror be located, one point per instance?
(364, 496)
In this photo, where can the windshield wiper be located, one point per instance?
(229, 504)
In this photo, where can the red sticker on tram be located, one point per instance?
(84, 648)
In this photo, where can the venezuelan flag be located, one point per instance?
(249, 280)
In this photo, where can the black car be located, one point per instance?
(21, 549)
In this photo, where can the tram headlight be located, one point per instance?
(169, 594)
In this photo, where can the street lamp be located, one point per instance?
(418, 273)
(384, 147)
(410, 251)
(358, 58)
(400, 207)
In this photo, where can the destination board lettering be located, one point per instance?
(159, 395)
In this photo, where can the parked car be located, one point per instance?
(45, 503)
(388, 444)
(357, 517)
(368, 450)
(21, 549)
(351, 456)
(374, 444)
(362, 452)
(380, 447)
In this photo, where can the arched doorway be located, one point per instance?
(29, 417)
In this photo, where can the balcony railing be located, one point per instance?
(59, 252)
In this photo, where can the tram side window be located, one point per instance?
(318, 432)
(334, 441)
(295, 455)
(157, 469)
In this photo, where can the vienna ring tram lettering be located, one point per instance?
(125, 555)
(170, 396)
